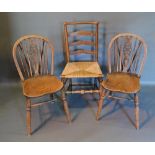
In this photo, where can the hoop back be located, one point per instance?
(127, 53)
(33, 55)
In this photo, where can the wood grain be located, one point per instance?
(126, 57)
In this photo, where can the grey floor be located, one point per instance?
(49, 122)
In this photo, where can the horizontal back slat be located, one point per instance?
(76, 23)
(82, 33)
(78, 52)
(82, 42)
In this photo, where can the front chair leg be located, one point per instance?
(28, 115)
(136, 100)
(66, 109)
(100, 102)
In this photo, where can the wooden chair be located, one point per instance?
(34, 59)
(126, 56)
(81, 39)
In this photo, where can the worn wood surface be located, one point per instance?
(81, 69)
(34, 59)
(126, 57)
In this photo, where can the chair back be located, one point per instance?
(81, 38)
(33, 56)
(127, 53)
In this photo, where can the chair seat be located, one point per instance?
(41, 85)
(82, 70)
(122, 82)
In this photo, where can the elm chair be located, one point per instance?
(126, 57)
(34, 59)
(81, 47)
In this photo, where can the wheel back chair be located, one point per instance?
(34, 59)
(126, 56)
(81, 41)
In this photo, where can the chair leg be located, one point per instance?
(94, 83)
(110, 93)
(28, 115)
(70, 84)
(100, 102)
(136, 100)
(66, 109)
(52, 97)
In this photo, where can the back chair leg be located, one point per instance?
(66, 109)
(100, 102)
(94, 83)
(70, 84)
(136, 100)
(28, 115)
(52, 97)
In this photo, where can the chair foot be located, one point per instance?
(97, 117)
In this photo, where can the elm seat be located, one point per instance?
(82, 70)
(41, 85)
(122, 82)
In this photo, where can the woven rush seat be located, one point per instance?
(82, 70)
(122, 82)
(41, 85)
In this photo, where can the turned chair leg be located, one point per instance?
(136, 100)
(28, 115)
(100, 102)
(66, 109)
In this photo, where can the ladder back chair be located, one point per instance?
(126, 57)
(34, 59)
(81, 47)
